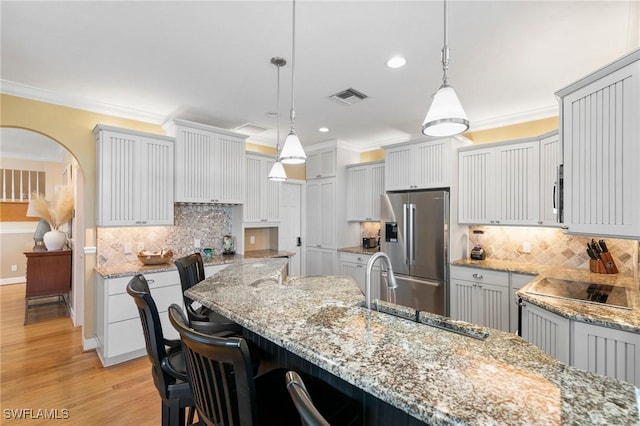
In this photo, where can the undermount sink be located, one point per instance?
(426, 318)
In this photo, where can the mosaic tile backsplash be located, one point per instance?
(208, 223)
(550, 246)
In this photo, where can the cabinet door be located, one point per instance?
(321, 261)
(376, 190)
(550, 151)
(398, 168)
(613, 353)
(321, 164)
(327, 206)
(313, 213)
(546, 330)
(355, 271)
(600, 133)
(463, 305)
(517, 180)
(516, 282)
(196, 153)
(493, 307)
(156, 182)
(358, 194)
(476, 186)
(262, 196)
(432, 165)
(229, 170)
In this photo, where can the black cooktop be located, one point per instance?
(600, 294)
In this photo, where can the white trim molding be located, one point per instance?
(12, 280)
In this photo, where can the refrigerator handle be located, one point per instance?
(405, 234)
(412, 234)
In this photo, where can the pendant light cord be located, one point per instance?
(292, 114)
(278, 115)
(445, 51)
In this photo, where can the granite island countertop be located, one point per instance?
(604, 315)
(434, 375)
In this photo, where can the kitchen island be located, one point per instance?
(433, 375)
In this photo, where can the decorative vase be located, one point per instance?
(54, 239)
(42, 228)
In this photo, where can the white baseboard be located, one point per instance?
(12, 280)
(89, 344)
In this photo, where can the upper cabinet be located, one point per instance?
(134, 178)
(322, 163)
(419, 165)
(600, 124)
(210, 163)
(365, 185)
(504, 183)
(261, 194)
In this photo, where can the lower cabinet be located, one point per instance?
(480, 296)
(546, 330)
(118, 328)
(355, 266)
(516, 281)
(606, 351)
(321, 261)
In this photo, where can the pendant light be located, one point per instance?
(277, 172)
(292, 151)
(446, 117)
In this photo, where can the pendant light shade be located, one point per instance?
(292, 151)
(277, 172)
(446, 117)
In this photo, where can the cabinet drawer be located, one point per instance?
(479, 275)
(122, 306)
(520, 280)
(354, 257)
(156, 279)
(124, 337)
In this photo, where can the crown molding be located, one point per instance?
(77, 102)
(521, 117)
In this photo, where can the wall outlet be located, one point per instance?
(196, 242)
(526, 247)
(14, 268)
(127, 248)
(252, 239)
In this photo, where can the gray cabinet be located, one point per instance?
(546, 330)
(600, 131)
(355, 265)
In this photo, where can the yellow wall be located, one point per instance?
(515, 131)
(72, 128)
(292, 171)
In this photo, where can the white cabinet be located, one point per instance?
(134, 178)
(546, 330)
(321, 261)
(418, 165)
(118, 328)
(500, 184)
(209, 165)
(327, 227)
(550, 159)
(262, 195)
(355, 265)
(321, 164)
(600, 131)
(606, 351)
(365, 186)
(480, 296)
(516, 282)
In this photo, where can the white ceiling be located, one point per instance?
(209, 61)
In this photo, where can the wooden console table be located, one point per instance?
(48, 275)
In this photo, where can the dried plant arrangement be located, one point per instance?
(57, 212)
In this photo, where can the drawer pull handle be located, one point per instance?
(151, 281)
(478, 276)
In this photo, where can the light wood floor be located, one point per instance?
(42, 366)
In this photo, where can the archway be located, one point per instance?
(25, 148)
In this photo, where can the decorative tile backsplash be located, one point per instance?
(550, 246)
(208, 223)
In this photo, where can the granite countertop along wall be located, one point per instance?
(131, 269)
(360, 250)
(436, 376)
(607, 316)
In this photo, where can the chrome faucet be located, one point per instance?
(391, 279)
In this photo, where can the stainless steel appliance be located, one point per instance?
(415, 237)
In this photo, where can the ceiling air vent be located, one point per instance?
(349, 96)
(250, 129)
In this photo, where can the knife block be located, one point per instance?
(605, 265)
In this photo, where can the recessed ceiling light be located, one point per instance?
(396, 62)
(323, 129)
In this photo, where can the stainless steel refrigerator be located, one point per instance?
(414, 234)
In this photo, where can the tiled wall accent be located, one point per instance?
(550, 246)
(369, 229)
(209, 223)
